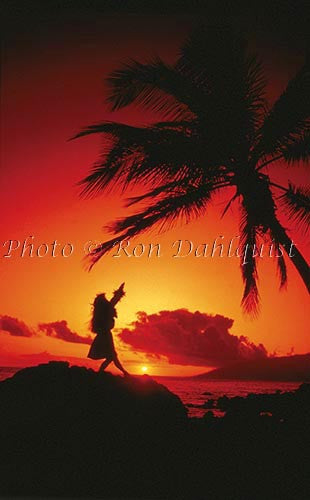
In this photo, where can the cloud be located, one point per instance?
(15, 327)
(60, 330)
(56, 329)
(188, 338)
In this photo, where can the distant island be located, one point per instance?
(284, 368)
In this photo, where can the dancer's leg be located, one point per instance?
(105, 364)
(119, 365)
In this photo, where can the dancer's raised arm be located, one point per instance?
(117, 295)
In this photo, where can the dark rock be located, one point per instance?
(71, 432)
(74, 431)
(209, 417)
(210, 403)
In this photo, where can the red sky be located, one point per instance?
(51, 87)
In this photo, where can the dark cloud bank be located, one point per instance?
(15, 327)
(56, 329)
(190, 338)
(60, 330)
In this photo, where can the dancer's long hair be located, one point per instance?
(103, 314)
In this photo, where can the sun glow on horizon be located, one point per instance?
(144, 369)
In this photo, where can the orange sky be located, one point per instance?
(49, 91)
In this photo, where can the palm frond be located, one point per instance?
(298, 148)
(154, 85)
(155, 154)
(278, 252)
(232, 199)
(282, 271)
(184, 203)
(166, 188)
(297, 204)
(107, 127)
(179, 186)
(280, 236)
(248, 240)
(288, 117)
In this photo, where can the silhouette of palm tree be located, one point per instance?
(219, 133)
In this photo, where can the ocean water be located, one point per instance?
(196, 393)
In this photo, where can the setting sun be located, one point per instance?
(144, 369)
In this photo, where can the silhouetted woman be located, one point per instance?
(102, 323)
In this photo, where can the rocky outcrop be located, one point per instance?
(72, 431)
(69, 432)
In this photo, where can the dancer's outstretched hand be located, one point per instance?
(118, 294)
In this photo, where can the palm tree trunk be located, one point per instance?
(296, 257)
